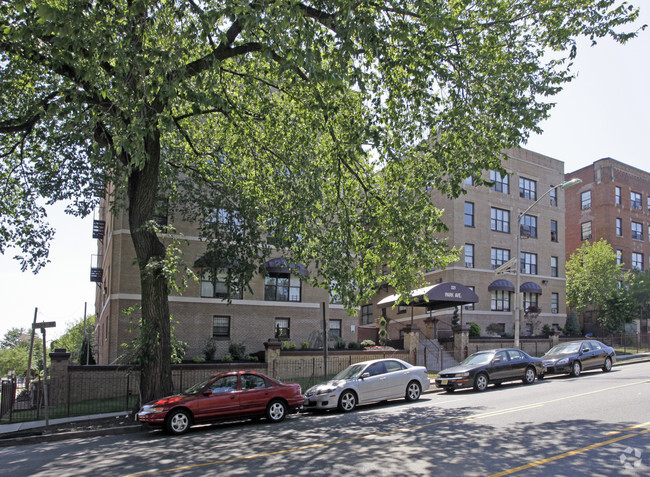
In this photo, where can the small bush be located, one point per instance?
(340, 344)
(227, 358)
(209, 349)
(353, 345)
(252, 359)
(198, 359)
(365, 343)
(237, 350)
(288, 345)
(474, 330)
(305, 345)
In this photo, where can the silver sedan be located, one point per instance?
(369, 381)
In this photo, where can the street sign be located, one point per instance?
(43, 324)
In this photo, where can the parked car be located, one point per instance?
(369, 381)
(239, 394)
(573, 357)
(493, 366)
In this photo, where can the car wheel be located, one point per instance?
(481, 382)
(178, 422)
(276, 411)
(347, 401)
(607, 367)
(576, 369)
(413, 391)
(529, 376)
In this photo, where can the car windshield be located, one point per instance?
(350, 372)
(197, 387)
(564, 348)
(479, 358)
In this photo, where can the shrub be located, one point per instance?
(340, 344)
(227, 358)
(209, 349)
(572, 325)
(305, 345)
(474, 330)
(365, 343)
(252, 359)
(237, 350)
(546, 330)
(288, 345)
(198, 359)
(353, 345)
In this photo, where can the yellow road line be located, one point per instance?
(405, 429)
(566, 454)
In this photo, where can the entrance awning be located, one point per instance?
(530, 287)
(436, 297)
(501, 285)
(280, 265)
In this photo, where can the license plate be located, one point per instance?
(443, 382)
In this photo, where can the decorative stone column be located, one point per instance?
(461, 342)
(272, 347)
(555, 337)
(58, 391)
(411, 342)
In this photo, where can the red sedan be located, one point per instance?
(237, 394)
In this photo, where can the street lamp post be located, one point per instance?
(517, 295)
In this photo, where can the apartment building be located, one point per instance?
(612, 203)
(278, 302)
(483, 222)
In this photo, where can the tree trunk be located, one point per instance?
(155, 353)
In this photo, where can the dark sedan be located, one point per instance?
(240, 394)
(493, 366)
(574, 357)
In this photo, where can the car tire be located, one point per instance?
(276, 411)
(449, 390)
(529, 375)
(347, 401)
(481, 382)
(576, 368)
(413, 391)
(178, 422)
(607, 367)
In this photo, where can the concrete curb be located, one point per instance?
(60, 436)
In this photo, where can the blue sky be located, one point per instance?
(604, 112)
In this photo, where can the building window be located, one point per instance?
(500, 220)
(637, 261)
(501, 183)
(401, 309)
(469, 181)
(499, 256)
(585, 200)
(636, 201)
(637, 231)
(221, 327)
(554, 231)
(529, 226)
(499, 300)
(282, 328)
(214, 285)
(555, 302)
(366, 315)
(469, 255)
(470, 306)
(619, 257)
(619, 227)
(618, 196)
(585, 232)
(527, 188)
(281, 287)
(161, 211)
(529, 263)
(554, 267)
(553, 196)
(531, 303)
(336, 328)
(469, 214)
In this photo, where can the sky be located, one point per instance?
(604, 112)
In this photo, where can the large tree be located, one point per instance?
(593, 276)
(316, 124)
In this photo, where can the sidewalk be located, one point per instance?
(124, 423)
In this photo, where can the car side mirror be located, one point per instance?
(585, 350)
(207, 392)
(365, 375)
(496, 360)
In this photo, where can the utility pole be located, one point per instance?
(31, 351)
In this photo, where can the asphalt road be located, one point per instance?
(596, 424)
